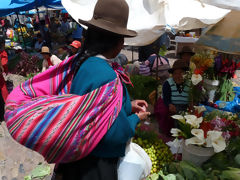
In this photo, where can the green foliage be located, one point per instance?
(185, 170)
(156, 149)
(31, 75)
(231, 174)
(143, 86)
(186, 129)
(225, 91)
(163, 50)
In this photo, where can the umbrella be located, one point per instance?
(223, 36)
(150, 17)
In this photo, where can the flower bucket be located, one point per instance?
(211, 86)
(196, 154)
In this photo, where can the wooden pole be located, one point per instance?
(21, 31)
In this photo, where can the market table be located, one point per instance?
(183, 41)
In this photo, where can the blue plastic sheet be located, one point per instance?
(15, 6)
(232, 106)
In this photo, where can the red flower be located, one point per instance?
(199, 71)
(206, 126)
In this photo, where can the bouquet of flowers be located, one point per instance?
(208, 131)
(204, 63)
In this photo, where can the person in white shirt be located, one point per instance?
(49, 59)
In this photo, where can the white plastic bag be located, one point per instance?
(135, 165)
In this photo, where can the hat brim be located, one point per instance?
(72, 45)
(190, 52)
(173, 69)
(108, 26)
(45, 53)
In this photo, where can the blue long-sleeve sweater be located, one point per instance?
(92, 74)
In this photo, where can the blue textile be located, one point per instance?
(93, 73)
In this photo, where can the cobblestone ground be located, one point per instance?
(17, 161)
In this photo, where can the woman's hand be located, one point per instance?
(143, 115)
(139, 106)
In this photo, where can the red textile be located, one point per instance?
(3, 86)
(49, 62)
(164, 119)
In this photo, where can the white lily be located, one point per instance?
(199, 133)
(175, 132)
(216, 141)
(193, 120)
(179, 117)
(196, 78)
(194, 140)
(219, 144)
(200, 108)
(176, 143)
(213, 135)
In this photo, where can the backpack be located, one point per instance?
(42, 115)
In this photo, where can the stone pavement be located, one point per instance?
(16, 161)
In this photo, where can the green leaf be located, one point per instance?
(237, 159)
(231, 174)
(167, 177)
(27, 177)
(191, 171)
(153, 177)
(41, 171)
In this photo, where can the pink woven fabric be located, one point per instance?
(42, 115)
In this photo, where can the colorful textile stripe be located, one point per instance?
(41, 115)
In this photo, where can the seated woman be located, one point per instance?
(174, 97)
(49, 59)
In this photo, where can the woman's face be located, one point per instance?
(46, 56)
(178, 76)
(186, 57)
(119, 47)
(74, 50)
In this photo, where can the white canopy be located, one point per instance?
(150, 17)
(226, 4)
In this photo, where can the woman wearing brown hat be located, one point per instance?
(186, 54)
(49, 59)
(104, 40)
(175, 97)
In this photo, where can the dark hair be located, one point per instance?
(97, 41)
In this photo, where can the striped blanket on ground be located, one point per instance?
(43, 116)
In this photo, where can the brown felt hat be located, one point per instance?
(186, 49)
(111, 15)
(179, 64)
(45, 50)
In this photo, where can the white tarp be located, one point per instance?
(149, 17)
(226, 4)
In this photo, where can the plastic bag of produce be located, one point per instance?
(135, 165)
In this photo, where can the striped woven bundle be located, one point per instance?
(43, 116)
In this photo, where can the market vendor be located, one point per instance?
(3, 69)
(174, 98)
(49, 59)
(186, 54)
(75, 47)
